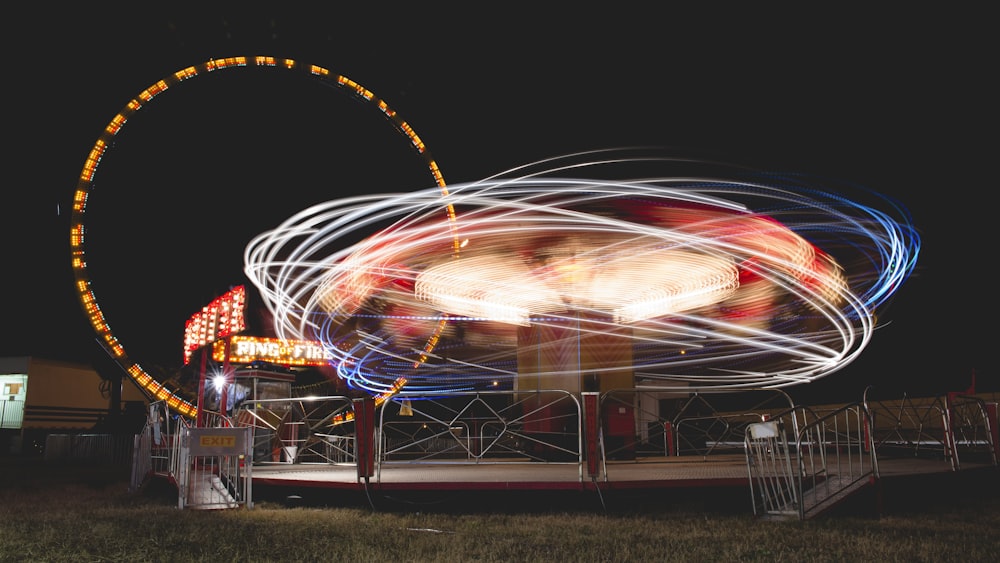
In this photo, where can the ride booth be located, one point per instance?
(260, 401)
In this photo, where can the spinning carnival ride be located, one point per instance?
(541, 280)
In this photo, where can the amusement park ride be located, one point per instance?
(567, 312)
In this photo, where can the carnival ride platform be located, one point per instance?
(787, 462)
(663, 472)
(716, 483)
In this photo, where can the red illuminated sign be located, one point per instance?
(223, 317)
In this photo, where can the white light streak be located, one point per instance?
(722, 280)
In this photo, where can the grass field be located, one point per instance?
(60, 512)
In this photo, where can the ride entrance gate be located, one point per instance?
(214, 468)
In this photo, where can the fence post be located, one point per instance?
(591, 425)
(867, 429)
(364, 436)
(951, 453)
(991, 412)
(668, 438)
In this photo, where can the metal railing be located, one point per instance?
(212, 469)
(773, 480)
(698, 426)
(485, 427)
(209, 465)
(300, 430)
(831, 456)
(799, 459)
(946, 428)
(482, 426)
(89, 447)
(836, 457)
(155, 449)
(836, 453)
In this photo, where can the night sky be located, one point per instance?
(901, 102)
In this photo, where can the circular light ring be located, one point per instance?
(78, 230)
(811, 269)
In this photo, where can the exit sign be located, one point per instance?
(218, 441)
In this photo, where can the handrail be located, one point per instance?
(723, 430)
(949, 427)
(302, 429)
(842, 433)
(972, 428)
(733, 434)
(832, 454)
(532, 427)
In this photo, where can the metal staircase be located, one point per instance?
(830, 459)
(804, 471)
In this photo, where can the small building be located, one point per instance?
(42, 397)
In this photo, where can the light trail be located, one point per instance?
(722, 277)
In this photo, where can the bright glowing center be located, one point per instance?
(631, 288)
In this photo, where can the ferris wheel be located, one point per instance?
(78, 229)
